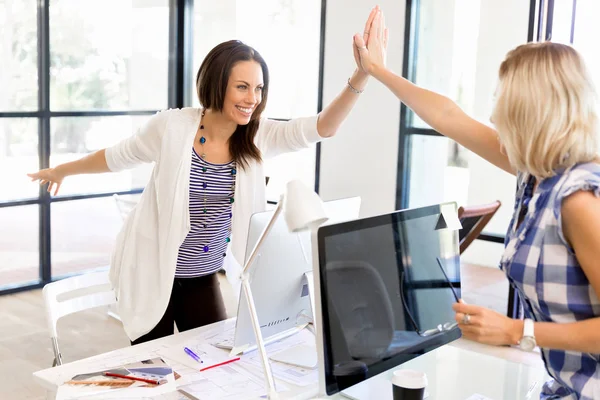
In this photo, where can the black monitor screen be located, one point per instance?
(387, 288)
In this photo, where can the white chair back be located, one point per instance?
(72, 295)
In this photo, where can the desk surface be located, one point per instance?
(452, 372)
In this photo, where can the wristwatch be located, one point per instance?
(527, 342)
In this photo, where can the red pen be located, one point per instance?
(219, 364)
(133, 378)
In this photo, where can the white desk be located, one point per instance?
(453, 373)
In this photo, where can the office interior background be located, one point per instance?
(80, 75)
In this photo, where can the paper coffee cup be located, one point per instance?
(409, 384)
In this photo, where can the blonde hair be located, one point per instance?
(545, 111)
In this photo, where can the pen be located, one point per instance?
(447, 279)
(133, 378)
(190, 353)
(219, 364)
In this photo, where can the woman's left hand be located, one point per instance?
(487, 326)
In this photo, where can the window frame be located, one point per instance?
(179, 77)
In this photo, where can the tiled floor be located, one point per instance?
(25, 346)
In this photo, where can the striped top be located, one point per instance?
(543, 268)
(211, 189)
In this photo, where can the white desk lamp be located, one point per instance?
(302, 209)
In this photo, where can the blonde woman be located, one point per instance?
(547, 127)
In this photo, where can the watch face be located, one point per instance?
(527, 343)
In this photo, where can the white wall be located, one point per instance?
(493, 44)
(363, 157)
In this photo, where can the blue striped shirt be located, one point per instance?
(211, 188)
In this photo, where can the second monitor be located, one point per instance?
(280, 295)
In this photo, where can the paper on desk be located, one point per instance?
(97, 386)
(209, 354)
(292, 374)
(228, 382)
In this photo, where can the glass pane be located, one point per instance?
(109, 54)
(285, 33)
(18, 52)
(461, 45)
(441, 170)
(83, 234)
(19, 244)
(19, 155)
(74, 137)
(561, 21)
(587, 31)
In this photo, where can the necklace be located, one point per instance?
(233, 171)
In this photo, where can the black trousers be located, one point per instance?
(194, 302)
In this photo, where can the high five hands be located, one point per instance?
(370, 48)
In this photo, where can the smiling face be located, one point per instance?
(244, 92)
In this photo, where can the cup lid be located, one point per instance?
(409, 379)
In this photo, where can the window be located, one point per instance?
(455, 48)
(458, 48)
(91, 75)
(287, 34)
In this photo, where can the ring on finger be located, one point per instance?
(466, 319)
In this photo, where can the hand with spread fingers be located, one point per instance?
(370, 48)
(487, 326)
(50, 176)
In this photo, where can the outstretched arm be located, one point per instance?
(94, 163)
(438, 111)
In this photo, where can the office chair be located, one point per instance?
(473, 220)
(71, 295)
(363, 307)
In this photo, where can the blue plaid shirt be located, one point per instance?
(543, 268)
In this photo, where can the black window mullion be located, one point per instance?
(549, 20)
(181, 16)
(409, 67)
(43, 35)
(573, 16)
(320, 89)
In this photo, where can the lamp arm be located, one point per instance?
(245, 277)
(262, 236)
(260, 344)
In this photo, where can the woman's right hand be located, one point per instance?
(373, 53)
(51, 176)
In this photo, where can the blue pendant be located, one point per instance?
(233, 171)
(204, 185)
(202, 139)
(205, 249)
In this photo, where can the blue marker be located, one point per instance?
(192, 354)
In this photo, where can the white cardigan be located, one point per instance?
(145, 255)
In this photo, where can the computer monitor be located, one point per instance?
(385, 289)
(281, 298)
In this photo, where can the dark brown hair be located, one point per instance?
(211, 85)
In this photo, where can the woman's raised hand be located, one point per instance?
(371, 47)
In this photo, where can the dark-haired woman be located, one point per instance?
(208, 179)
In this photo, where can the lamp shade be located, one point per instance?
(302, 207)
